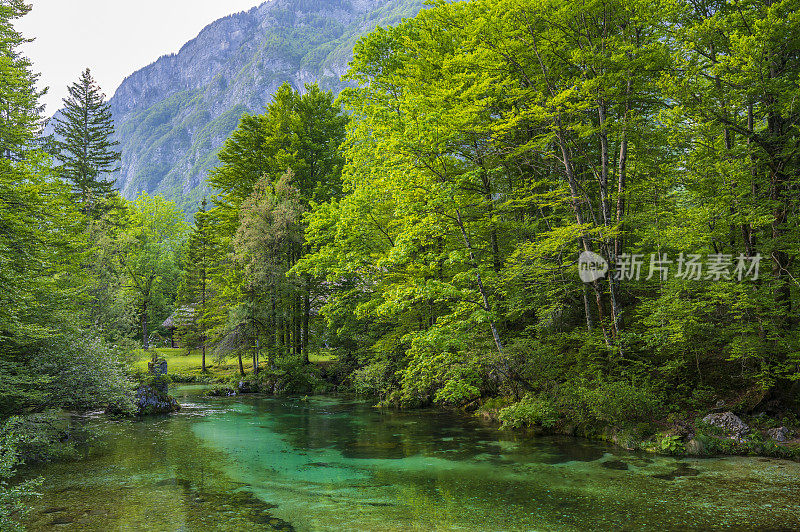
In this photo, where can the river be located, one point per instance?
(321, 463)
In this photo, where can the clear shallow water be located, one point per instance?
(255, 463)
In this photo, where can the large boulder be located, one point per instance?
(152, 400)
(728, 422)
(153, 396)
(780, 434)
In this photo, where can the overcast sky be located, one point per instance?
(112, 37)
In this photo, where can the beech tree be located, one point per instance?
(147, 255)
(299, 134)
(493, 142)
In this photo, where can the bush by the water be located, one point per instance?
(13, 499)
(530, 411)
(289, 375)
(615, 403)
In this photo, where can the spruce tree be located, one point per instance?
(195, 291)
(84, 132)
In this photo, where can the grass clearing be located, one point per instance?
(181, 363)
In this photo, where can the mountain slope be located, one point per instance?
(174, 115)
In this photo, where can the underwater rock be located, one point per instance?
(683, 470)
(695, 447)
(780, 434)
(62, 521)
(617, 465)
(727, 421)
(55, 510)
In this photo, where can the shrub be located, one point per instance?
(374, 379)
(615, 403)
(671, 444)
(13, 507)
(619, 403)
(87, 374)
(530, 411)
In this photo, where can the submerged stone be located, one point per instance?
(617, 465)
(56, 510)
(683, 470)
(62, 521)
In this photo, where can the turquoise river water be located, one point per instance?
(263, 463)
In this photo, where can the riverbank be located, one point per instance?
(682, 433)
(187, 368)
(257, 462)
(685, 434)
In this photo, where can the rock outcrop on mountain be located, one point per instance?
(173, 116)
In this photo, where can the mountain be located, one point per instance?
(173, 116)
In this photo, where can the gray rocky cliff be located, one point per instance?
(173, 116)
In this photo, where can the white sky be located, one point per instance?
(114, 38)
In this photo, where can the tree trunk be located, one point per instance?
(255, 359)
(306, 317)
(587, 246)
(145, 335)
(587, 309)
(298, 325)
(747, 231)
(484, 295)
(272, 337)
(202, 317)
(613, 283)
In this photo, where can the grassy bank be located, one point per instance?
(183, 366)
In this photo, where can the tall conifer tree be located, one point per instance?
(196, 288)
(87, 152)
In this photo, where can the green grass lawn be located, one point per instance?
(178, 362)
(323, 357)
(181, 363)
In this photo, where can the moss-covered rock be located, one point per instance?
(151, 401)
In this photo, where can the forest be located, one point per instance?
(555, 214)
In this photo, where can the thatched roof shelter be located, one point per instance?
(181, 316)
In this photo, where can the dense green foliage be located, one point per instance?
(147, 255)
(489, 145)
(429, 229)
(493, 142)
(76, 262)
(276, 166)
(195, 293)
(49, 357)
